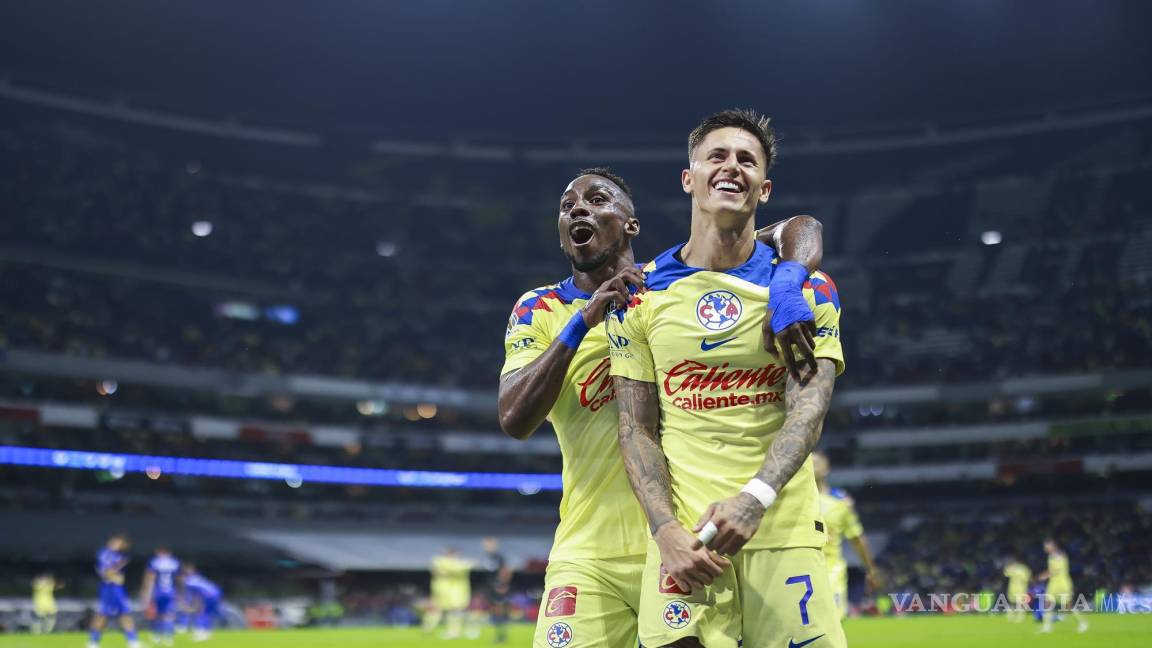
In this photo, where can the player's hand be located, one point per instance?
(801, 364)
(611, 295)
(686, 560)
(737, 519)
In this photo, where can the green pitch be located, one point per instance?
(1113, 631)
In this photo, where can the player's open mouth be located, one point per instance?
(581, 234)
(728, 186)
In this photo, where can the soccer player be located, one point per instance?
(206, 596)
(1018, 576)
(159, 591)
(451, 592)
(500, 582)
(556, 367)
(715, 433)
(114, 602)
(44, 603)
(1059, 591)
(841, 523)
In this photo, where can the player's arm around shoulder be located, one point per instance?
(537, 361)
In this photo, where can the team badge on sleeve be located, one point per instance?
(677, 614)
(559, 635)
(561, 602)
(719, 310)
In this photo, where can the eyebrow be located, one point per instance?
(597, 186)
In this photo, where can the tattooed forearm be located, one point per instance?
(806, 405)
(644, 459)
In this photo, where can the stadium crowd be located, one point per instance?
(372, 298)
(1107, 543)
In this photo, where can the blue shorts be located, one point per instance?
(164, 603)
(113, 601)
(211, 607)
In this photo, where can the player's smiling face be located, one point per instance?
(596, 222)
(728, 172)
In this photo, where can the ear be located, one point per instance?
(765, 190)
(686, 180)
(632, 227)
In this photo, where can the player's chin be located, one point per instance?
(586, 259)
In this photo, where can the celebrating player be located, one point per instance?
(159, 591)
(841, 522)
(714, 432)
(1018, 576)
(114, 602)
(557, 367)
(1059, 590)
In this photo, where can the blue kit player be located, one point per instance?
(159, 590)
(114, 602)
(207, 597)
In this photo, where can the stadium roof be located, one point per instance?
(517, 66)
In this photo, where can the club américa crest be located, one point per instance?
(719, 310)
(559, 635)
(677, 614)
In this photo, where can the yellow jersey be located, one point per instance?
(841, 520)
(696, 334)
(451, 572)
(1018, 576)
(1058, 570)
(599, 515)
(44, 593)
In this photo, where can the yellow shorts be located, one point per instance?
(590, 603)
(838, 578)
(769, 597)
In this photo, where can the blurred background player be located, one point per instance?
(1058, 594)
(451, 593)
(206, 597)
(158, 594)
(499, 584)
(1018, 575)
(44, 589)
(185, 609)
(114, 603)
(840, 523)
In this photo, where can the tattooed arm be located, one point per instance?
(686, 560)
(738, 518)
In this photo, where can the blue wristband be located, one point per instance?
(786, 296)
(573, 334)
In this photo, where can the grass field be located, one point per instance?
(1111, 631)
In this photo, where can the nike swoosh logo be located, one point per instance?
(706, 346)
(792, 642)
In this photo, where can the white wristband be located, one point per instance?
(761, 491)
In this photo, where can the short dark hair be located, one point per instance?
(608, 174)
(742, 118)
